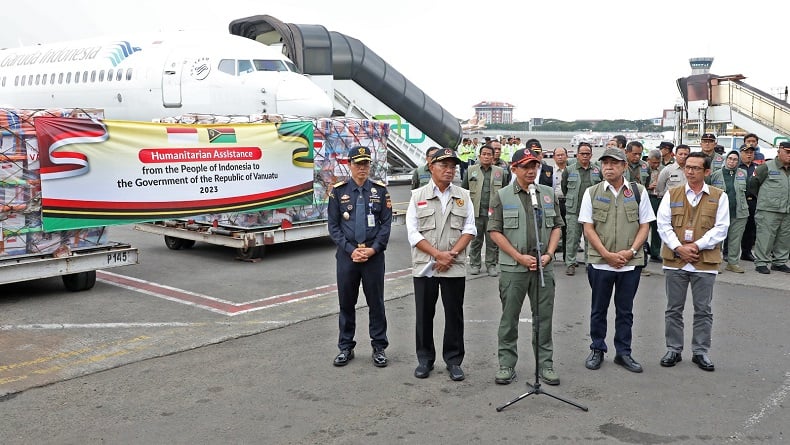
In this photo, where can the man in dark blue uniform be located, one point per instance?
(360, 217)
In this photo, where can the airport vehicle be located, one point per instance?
(159, 75)
(77, 267)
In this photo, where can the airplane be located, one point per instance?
(160, 75)
(474, 124)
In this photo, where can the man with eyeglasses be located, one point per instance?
(693, 220)
(440, 224)
(771, 185)
(575, 180)
(359, 217)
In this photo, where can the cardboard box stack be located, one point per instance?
(21, 230)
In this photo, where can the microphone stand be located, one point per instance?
(535, 388)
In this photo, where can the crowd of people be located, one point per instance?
(693, 212)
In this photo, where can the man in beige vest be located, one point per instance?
(483, 180)
(440, 224)
(692, 221)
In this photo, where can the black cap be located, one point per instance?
(745, 147)
(445, 153)
(708, 137)
(784, 144)
(534, 145)
(666, 144)
(359, 154)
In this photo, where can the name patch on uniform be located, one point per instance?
(773, 173)
(509, 207)
(675, 204)
(422, 204)
(603, 199)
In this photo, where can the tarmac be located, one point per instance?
(248, 359)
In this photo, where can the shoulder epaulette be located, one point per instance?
(379, 183)
(339, 184)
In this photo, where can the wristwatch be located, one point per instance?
(634, 252)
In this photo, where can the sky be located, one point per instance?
(568, 60)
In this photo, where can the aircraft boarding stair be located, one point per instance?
(728, 99)
(362, 85)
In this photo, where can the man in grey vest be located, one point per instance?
(577, 177)
(512, 227)
(771, 185)
(440, 224)
(483, 180)
(616, 224)
(692, 220)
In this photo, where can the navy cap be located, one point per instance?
(666, 144)
(359, 154)
(523, 156)
(445, 153)
(784, 144)
(745, 147)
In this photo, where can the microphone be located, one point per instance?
(531, 190)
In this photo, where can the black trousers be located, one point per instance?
(349, 276)
(563, 212)
(426, 294)
(750, 232)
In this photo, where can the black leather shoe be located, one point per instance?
(345, 356)
(703, 362)
(423, 370)
(762, 269)
(671, 359)
(456, 373)
(594, 360)
(747, 257)
(379, 358)
(627, 362)
(782, 268)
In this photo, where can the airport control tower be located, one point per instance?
(700, 65)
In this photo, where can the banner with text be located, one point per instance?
(99, 173)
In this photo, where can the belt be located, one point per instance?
(561, 199)
(361, 245)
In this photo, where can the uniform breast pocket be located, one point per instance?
(678, 214)
(457, 218)
(510, 218)
(707, 218)
(599, 211)
(548, 216)
(425, 219)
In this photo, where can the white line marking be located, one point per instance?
(60, 326)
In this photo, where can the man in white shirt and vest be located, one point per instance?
(692, 220)
(616, 224)
(440, 224)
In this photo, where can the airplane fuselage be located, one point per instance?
(162, 75)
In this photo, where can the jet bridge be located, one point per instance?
(362, 85)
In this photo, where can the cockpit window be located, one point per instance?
(245, 66)
(270, 65)
(227, 66)
(241, 67)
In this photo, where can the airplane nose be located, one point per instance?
(301, 97)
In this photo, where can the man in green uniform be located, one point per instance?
(732, 180)
(575, 180)
(512, 227)
(483, 180)
(422, 174)
(771, 185)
